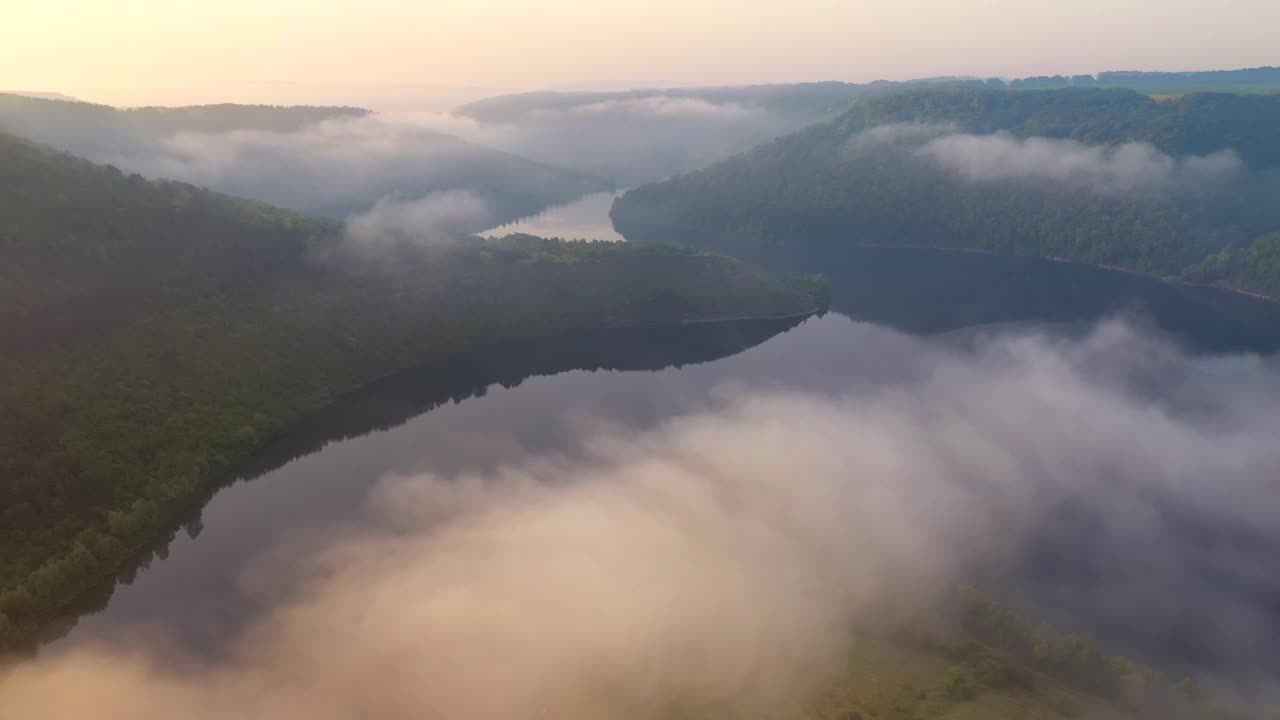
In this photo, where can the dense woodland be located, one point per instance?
(225, 117)
(975, 659)
(155, 333)
(829, 185)
(1259, 79)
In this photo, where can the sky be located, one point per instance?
(430, 52)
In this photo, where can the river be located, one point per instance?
(486, 410)
(586, 218)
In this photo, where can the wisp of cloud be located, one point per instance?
(432, 219)
(1124, 169)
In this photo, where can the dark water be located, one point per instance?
(494, 407)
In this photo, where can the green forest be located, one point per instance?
(976, 660)
(831, 184)
(155, 334)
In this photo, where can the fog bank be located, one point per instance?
(437, 217)
(1127, 169)
(635, 140)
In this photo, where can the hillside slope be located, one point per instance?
(1106, 177)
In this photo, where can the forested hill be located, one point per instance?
(86, 247)
(155, 333)
(224, 117)
(1181, 188)
(27, 114)
(1197, 123)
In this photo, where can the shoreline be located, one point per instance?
(1069, 261)
(50, 628)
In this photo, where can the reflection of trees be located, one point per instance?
(399, 398)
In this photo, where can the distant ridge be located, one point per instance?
(41, 95)
(829, 93)
(1243, 79)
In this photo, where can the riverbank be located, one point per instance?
(392, 400)
(1077, 263)
(132, 425)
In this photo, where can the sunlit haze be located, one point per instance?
(639, 359)
(395, 53)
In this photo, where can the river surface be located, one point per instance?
(586, 218)
(545, 398)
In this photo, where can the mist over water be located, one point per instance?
(710, 542)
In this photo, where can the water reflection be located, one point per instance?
(311, 480)
(931, 291)
(586, 218)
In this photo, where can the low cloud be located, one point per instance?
(1106, 170)
(341, 166)
(661, 106)
(432, 219)
(336, 166)
(635, 140)
(714, 565)
(909, 134)
(1127, 169)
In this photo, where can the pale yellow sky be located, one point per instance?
(390, 52)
